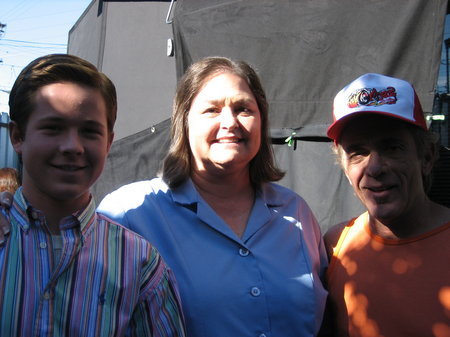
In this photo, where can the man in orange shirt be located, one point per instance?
(389, 272)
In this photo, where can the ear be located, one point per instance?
(428, 160)
(110, 140)
(15, 135)
(340, 158)
(349, 181)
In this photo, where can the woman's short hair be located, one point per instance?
(177, 163)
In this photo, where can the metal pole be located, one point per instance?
(447, 42)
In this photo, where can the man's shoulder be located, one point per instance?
(107, 224)
(152, 266)
(16, 214)
(333, 234)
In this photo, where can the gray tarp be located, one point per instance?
(133, 158)
(304, 51)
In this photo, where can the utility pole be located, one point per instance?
(446, 95)
(447, 45)
(2, 31)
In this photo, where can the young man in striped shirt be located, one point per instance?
(64, 269)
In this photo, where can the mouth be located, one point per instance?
(69, 167)
(380, 191)
(228, 140)
(379, 188)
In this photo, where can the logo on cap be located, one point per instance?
(372, 97)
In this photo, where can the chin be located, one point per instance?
(223, 161)
(384, 213)
(65, 194)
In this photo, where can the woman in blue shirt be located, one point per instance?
(247, 253)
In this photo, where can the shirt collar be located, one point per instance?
(186, 194)
(86, 216)
(25, 213)
(271, 196)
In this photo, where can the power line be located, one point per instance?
(18, 47)
(10, 65)
(39, 43)
(15, 9)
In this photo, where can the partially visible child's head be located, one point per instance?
(9, 179)
(57, 68)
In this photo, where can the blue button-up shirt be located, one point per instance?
(267, 283)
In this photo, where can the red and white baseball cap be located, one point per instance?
(376, 94)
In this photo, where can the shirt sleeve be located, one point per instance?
(158, 312)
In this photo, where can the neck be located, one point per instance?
(231, 198)
(55, 210)
(428, 216)
(223, 185)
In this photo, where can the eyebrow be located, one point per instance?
(233, 100)
(352, 147)
(55, 119)
(390, 140)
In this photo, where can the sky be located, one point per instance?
(34, 28)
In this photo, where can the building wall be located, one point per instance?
(85, 37)
(8, 157)
(128, 42)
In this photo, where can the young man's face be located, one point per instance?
(381, 162)
(65, 144)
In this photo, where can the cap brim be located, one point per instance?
(335, 129)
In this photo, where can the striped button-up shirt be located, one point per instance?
(108, 281)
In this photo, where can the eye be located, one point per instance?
(211, 111)
(92, 132)
(243, 110)
(356, 154)
(393, 148)
(51, 128)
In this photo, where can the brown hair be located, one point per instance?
(56, 68)
(9, 179)
(177, 163)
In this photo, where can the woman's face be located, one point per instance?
(224, 124)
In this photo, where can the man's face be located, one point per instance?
(65, 144)
(381, 162)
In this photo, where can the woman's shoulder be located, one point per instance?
(134, 193)
(142, 187)
(280, 194)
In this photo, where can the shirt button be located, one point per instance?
(46, 296)
(243, 252)
(34, 215)
(255, 291)
(262, 335)
(43, 245)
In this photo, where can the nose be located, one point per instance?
(375, 164)
(228, 119)
(71, 143)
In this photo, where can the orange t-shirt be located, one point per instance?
(390, 288)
